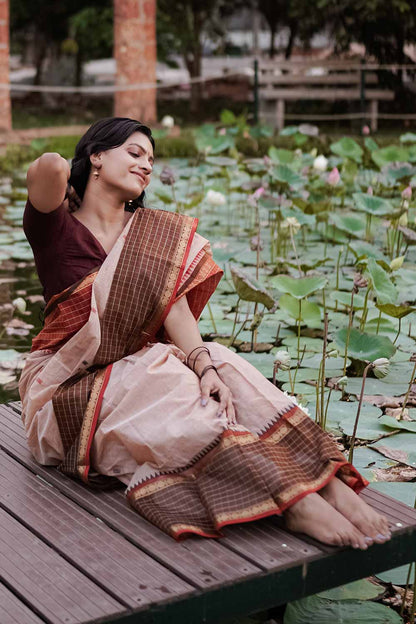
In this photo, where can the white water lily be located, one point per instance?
(19, 304)
(320, 163)
(381, 367)
(168, 122)
(215, 198)
(282, 360)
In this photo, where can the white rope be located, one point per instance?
(246, 71)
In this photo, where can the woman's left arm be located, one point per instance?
(184, 333)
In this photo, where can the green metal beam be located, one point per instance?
(278, 587)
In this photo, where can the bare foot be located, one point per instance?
(317, 518)
(374, 526)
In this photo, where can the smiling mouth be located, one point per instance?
(140, 176)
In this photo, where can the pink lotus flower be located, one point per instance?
(222, 131)
(333, 177)
(267, 160)
(365, 130)
(370, 190)
(258, 192)
(407, 193)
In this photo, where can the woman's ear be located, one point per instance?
(96, 161)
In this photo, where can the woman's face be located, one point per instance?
(127, 168)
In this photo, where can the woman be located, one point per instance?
(120, 386)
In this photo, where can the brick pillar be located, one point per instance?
(5, 107)
(135, 54)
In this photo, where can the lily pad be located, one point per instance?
(400, 447)
(392, 423)
(369, 427)
(396, 311)
(357, 590)
(391, 153)
(310, 312)
(383, 287)
(366, 460)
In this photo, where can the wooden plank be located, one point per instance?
(325, 94)
(305, 79)
(13, 611)
(121, 569)
(202, 563)
(45, 580)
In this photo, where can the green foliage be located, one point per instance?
(363, 346)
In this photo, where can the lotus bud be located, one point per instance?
(293, 224)
(258, 193)
(282, 360)
(167, 176)
(381, 367)
(333, 177)
(314, 152)
(407, 193)
(370, 190)
(365, 130)
(222, 131)
(214, 198)
(298, 152)
(405, 204)
(256, 244)
(320, 163)
(342, 382)
(397, 263)
(360, 281)
(19, 304)
(333, 353)
(168, 122)
(403, 219)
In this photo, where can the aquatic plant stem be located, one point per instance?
(360, 402)
(347, 341)
(398, 331)
(232, 337)
(408, 390)
(212, 318)
(177, 209)
(292, 240)
(322, 371)
(338, 263)
(409, 572)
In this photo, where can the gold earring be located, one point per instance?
(96, 174)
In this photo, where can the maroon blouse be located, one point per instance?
(65, 250)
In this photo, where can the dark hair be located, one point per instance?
(103, 135)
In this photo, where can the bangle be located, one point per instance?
(206, 369)
(196, 348)
(197, 356)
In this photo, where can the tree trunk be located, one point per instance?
(193, 62)
(272, 49)
(292, 35)
(78, 69)
(40, 54)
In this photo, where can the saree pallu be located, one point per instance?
(107, 398)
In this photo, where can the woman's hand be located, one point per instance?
(212, 384)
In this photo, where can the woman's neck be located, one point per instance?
(102, 210)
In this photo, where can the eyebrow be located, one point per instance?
(142, 148)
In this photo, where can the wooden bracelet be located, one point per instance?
(189, 354)
(206, 369)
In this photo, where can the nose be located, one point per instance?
(147, 167)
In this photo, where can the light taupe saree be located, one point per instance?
(107, 398)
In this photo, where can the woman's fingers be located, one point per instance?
(231, 412)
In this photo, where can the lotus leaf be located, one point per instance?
(352, 224)
(391, 153)
(348, 148)
(363, 346)
(408, 137)
(400, 447)
(383, 287)
(375, 206)
(298, 287)
(392, 423)
(316, 610)
(357, 590)
(310, 312)
(396, 311)
(282, 156)
(248, 289)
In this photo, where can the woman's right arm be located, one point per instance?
(47, 179)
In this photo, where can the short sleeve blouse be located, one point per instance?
(64, 249)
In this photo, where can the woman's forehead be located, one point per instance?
(139, 138)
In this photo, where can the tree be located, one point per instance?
(180, 30)
(92, 31)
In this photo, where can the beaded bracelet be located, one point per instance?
(206, 369)
(189, 354)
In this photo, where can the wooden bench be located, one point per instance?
(322, 80)
(69, 554)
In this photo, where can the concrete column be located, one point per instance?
(135, 54)
(5, 106)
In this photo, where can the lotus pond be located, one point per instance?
(319, 286)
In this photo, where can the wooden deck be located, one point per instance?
(72, 555)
